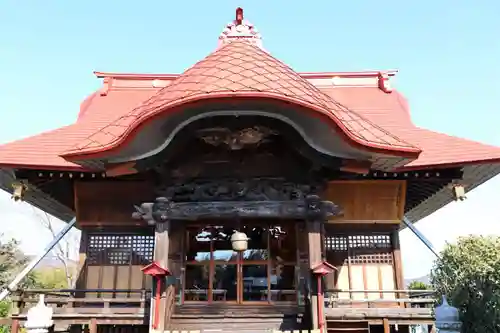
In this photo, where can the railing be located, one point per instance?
(386, 298)
(73, 302)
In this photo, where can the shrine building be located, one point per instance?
(241, 195)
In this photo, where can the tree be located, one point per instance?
(65, 251)
(12, 260)
(51, 278)
(468, 273)
(419, 285)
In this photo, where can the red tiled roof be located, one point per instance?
(240, 69)
(391, 112)
(233, 68)
(43, 151)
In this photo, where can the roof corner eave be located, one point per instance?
(474, 175)
(36, 197)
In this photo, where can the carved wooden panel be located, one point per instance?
(106, 203)
(367, 201)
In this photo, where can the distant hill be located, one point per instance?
(425, 279)
(51, 262)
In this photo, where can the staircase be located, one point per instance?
(234, 318)
(347, 326)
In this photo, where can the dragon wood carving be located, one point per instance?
(239, 190)
(237, 199)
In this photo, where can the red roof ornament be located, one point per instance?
(239, 15)
(323, 268)
(155, 270)
(383, 82)
(241, 30)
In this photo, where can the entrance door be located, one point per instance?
(265, 272)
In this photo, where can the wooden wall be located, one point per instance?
(110, 203)
(113, 260)
(363, 242)
(371, 201)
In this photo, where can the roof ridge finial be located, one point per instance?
(241, 30)
(239, 16)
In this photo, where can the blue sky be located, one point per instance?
(447, 53)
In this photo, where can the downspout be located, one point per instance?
(12, 286)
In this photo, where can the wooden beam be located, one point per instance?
(358, 167)
(402, 199)
(365, 222)
(121, 169)
(308, 208)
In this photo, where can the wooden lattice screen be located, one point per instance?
(114, 262)
(362, 249)
(113, 249)
(364, 262)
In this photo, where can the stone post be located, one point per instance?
(39, 317)
(447, 318)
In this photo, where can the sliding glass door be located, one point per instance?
(265, 272)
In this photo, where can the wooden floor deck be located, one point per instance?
(136, 311)
(400, 316)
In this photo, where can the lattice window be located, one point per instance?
(371, 249)
(370, 241)
(363, 249)
(376, 258)
(336, 243)
(114, 249)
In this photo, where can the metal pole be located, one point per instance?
(420, 236)
(12, 286)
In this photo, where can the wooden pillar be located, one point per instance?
(398, 263)
(314, 243)
(81, 276)
(14, 327)
(387, 327)
(161, 258)
(93, 325)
